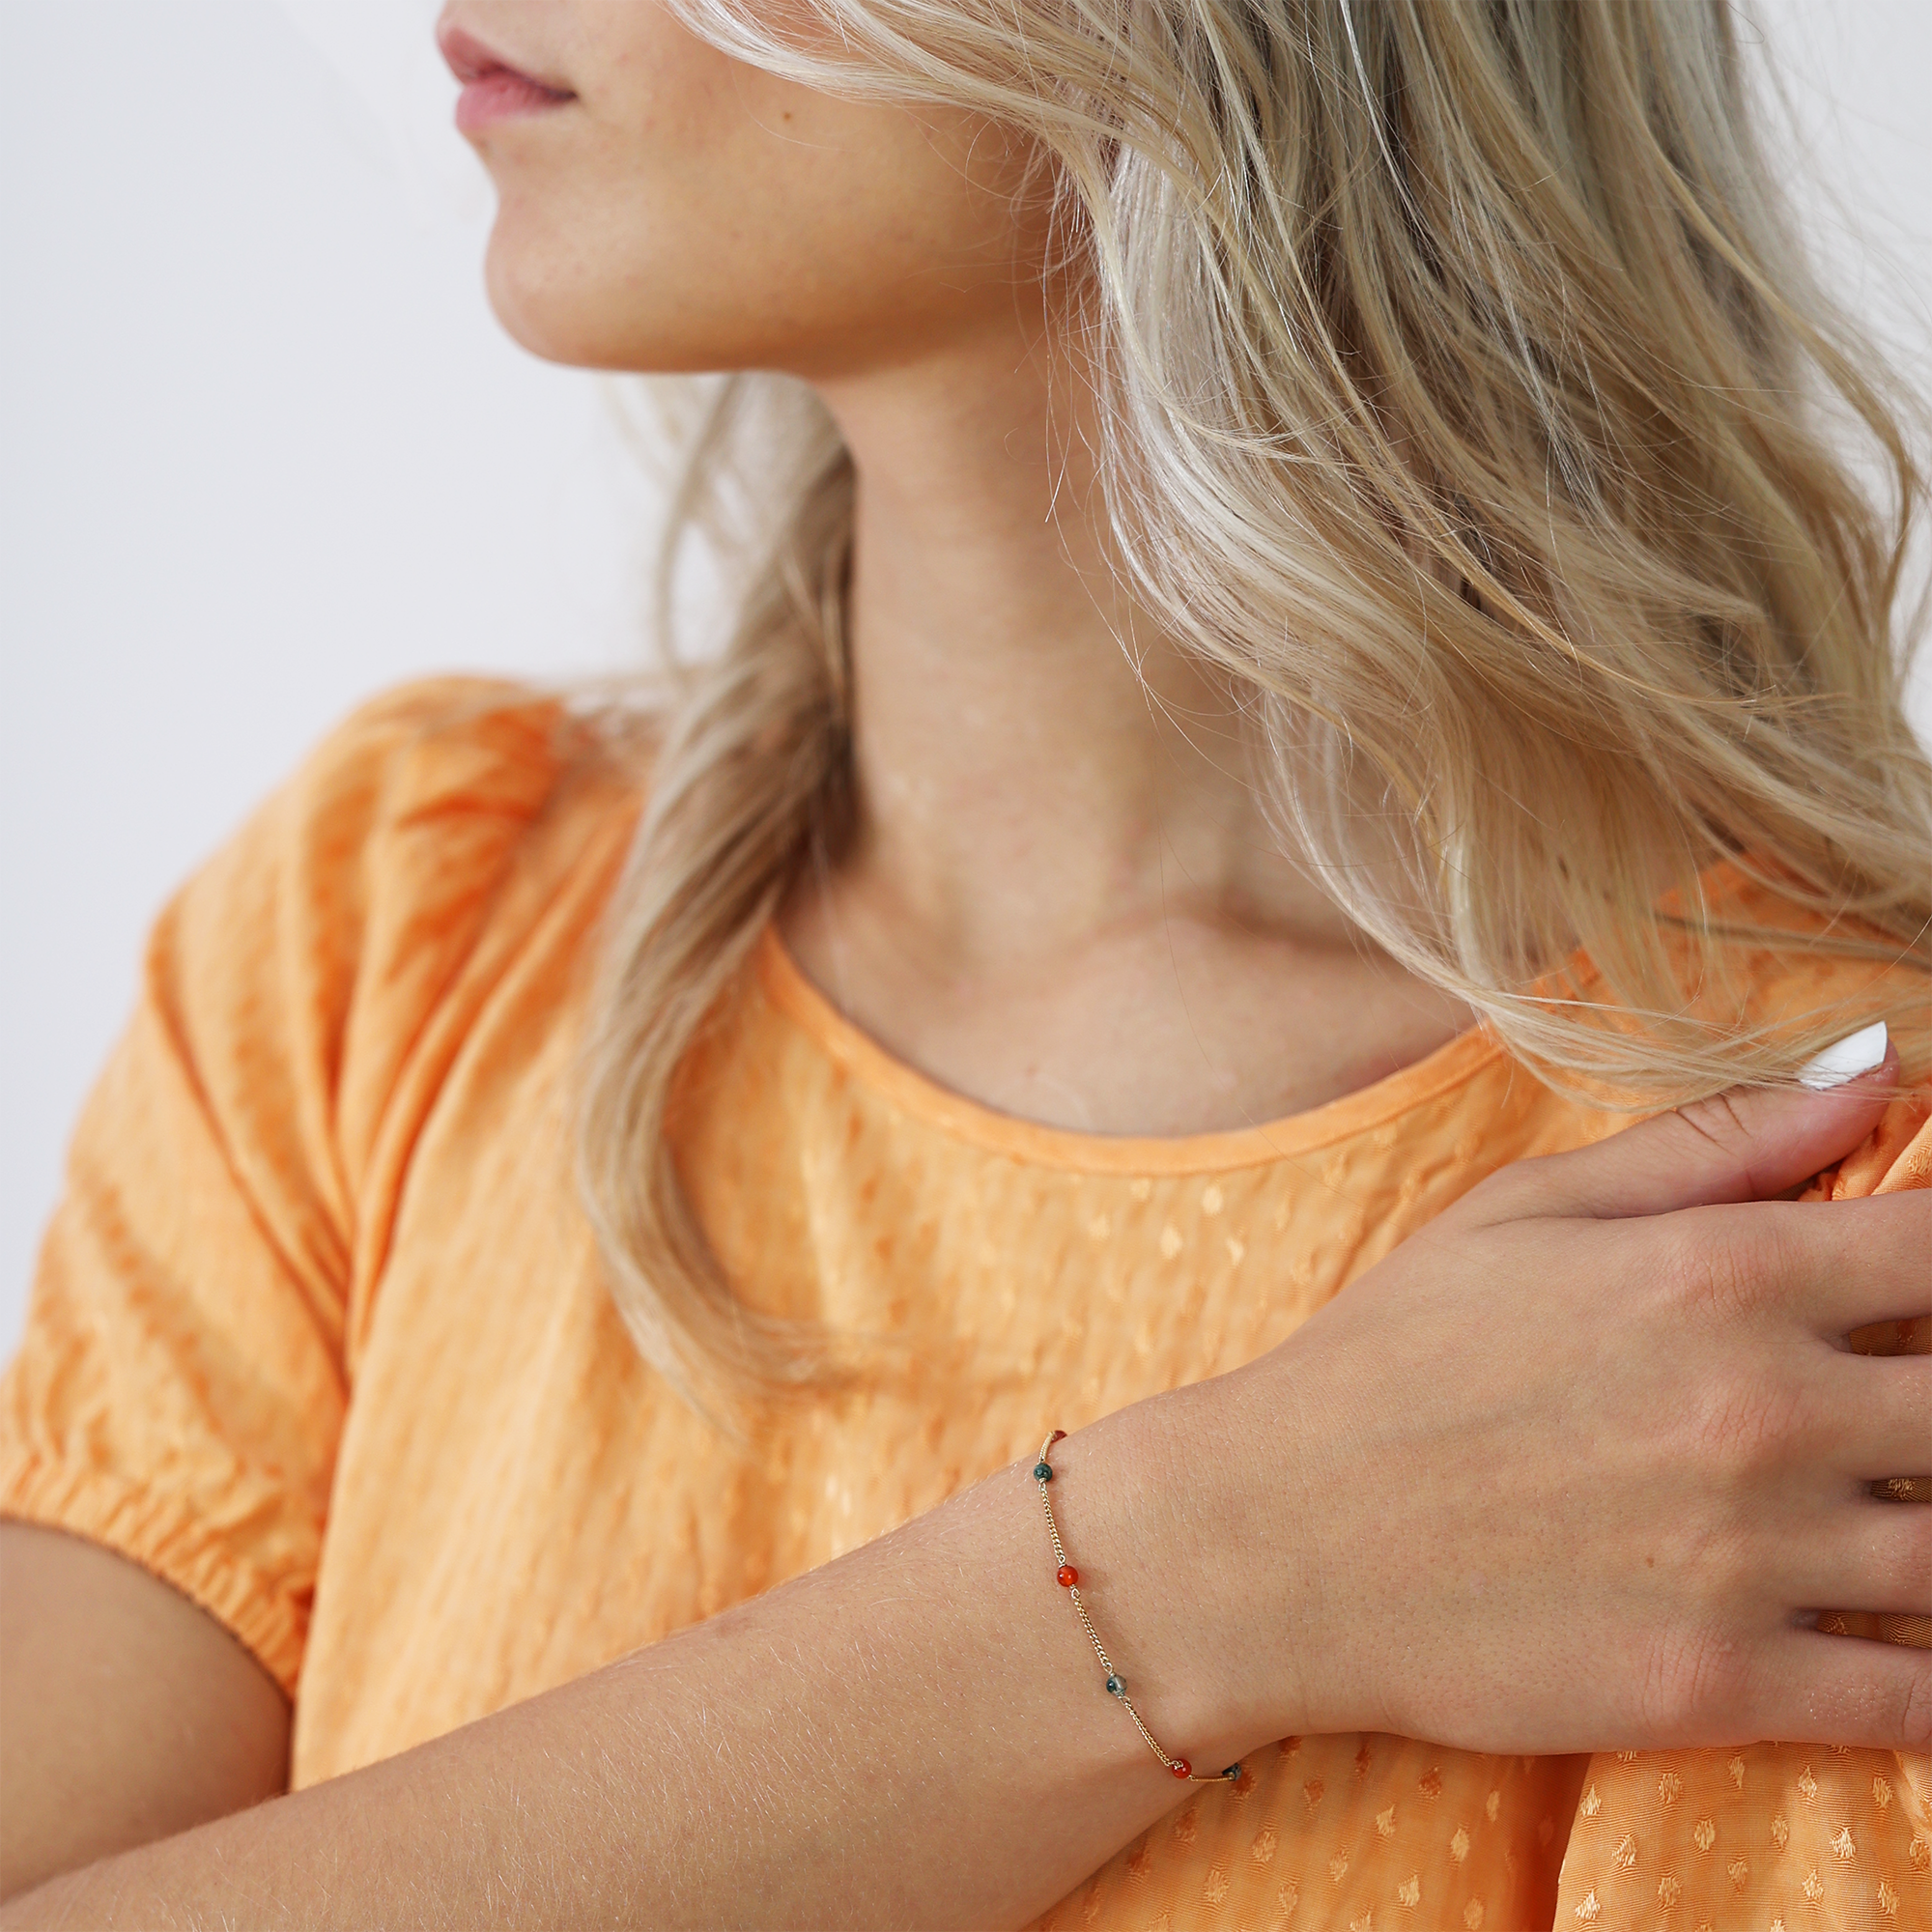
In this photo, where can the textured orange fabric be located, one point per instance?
(318, 1336)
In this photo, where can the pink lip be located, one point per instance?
(493, 89)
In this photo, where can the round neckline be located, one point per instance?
(785, 983)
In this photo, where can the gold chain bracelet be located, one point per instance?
(1069, 1579)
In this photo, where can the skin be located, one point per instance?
(126, 1713)
(907, 1736)
(1065, 905)
(1062, 898)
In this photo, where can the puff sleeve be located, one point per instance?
(186, 1369)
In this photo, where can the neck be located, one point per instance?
(1037, 762)
(1063, 896)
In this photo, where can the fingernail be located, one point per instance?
(1845, 1059)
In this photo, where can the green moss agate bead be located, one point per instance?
(1042, 1472)
(1116, 1687)
(1232, 1772)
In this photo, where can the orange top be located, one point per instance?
(319, 1337)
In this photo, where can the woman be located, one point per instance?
(1302, 655)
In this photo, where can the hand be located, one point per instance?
(1576, 1467)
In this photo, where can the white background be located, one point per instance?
(262, 449)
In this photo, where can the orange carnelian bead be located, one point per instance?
(1180, 1767)
(1067, 1574)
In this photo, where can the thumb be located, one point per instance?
(1749, 1144)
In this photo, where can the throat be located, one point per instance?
(1169, 1028)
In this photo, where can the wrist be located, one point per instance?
(1178, 1512)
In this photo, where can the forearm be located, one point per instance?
(914, 1735)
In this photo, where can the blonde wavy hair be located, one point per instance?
(1469, 400)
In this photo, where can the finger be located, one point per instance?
(1824, 1690)
(1870, 1556)
(1751, 1144)
(1843, 1265)
(1876, 1412)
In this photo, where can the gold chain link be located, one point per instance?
(1177, 1767)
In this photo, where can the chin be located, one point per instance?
(564, 306)
(545, 307)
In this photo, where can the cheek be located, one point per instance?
(691, 213)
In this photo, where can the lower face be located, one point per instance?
(664, 207)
